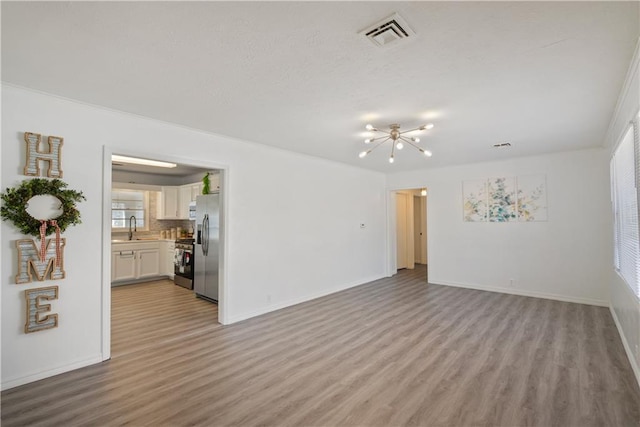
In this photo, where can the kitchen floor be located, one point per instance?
(148, 315)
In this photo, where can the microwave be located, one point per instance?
(192, 210)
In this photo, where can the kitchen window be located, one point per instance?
(624, 181)
(124, 204)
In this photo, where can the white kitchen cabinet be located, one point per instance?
(171, 249)
(167, 249)
(135, 261)
(168, 203)
(196, 190)
(173, 202)
(184, 197)
(123, 265)
(148, 263)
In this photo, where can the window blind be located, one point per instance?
(627, 244)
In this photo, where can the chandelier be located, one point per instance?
(397, 139)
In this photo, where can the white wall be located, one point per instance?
(293, 225)
(567, 257)
(625, 306)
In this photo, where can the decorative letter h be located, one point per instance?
(53, 156)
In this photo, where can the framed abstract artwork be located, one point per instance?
(474, 196)
(505, 199)
(532, 198)
(501, 193)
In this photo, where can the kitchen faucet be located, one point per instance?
(135, 226)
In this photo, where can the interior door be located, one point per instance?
(401, 231)
(417, 229)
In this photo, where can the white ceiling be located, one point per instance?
(543, 75)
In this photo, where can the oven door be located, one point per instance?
(183, 266)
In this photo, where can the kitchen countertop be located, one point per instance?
(142, 240)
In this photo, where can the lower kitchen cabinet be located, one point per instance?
(134, 261)
(171, 250)
(123, 265)
(167, 251)
(148, 263)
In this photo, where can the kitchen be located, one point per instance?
(165, 221)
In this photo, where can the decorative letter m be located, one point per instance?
(29, 260)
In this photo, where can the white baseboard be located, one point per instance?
(627, 347)
(15, 382)
(524, 292)
(288, 303)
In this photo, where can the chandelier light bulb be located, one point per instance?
(414, 139)
(362, 154)
(399, 145)
(428, 153)
(369, 127)
(391, 159)
(368, 140)
(423, 192)
(429, 126)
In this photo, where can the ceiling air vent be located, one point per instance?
(389, 31)
(502, 145)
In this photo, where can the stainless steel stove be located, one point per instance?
(184, 263)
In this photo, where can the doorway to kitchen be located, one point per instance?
(158, 228)
(408, 230)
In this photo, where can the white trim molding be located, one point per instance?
(291, 302)
(627, 347)
(15, 382)
(624, 113)
(523, 292)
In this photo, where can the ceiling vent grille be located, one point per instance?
(502, 145)
(389, 31)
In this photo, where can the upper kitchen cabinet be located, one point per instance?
(196, 190)
(173, 201)
(184, 198)
(169, 203)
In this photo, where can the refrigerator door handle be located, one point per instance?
(205, 235)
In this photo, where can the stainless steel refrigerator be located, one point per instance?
(207, 251)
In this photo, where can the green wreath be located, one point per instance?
(15, 201)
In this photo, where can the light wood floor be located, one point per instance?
(392, 352)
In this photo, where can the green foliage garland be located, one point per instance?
(15, 202)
